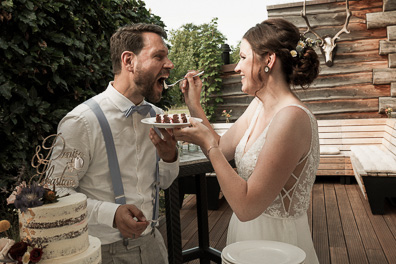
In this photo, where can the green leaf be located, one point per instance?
(7, 3)
(29, 5)
(5, 90)
(35, 119)
(3, 44)
(18, 50)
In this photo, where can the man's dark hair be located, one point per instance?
(129, 38)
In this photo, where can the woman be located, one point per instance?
(274, 143)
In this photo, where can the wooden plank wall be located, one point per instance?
(346, 89)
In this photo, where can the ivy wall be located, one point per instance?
(54, 54)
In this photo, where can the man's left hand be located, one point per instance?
(166, 146)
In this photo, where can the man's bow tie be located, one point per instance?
(141, 109)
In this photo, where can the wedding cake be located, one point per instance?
(61, 229)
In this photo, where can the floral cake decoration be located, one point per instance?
(21, 252)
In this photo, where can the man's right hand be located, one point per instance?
(125, 221)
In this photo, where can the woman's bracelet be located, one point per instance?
(210, 148)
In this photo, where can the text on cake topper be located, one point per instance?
(44, 167)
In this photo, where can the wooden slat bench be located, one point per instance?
(341, 134)
(340, 138)
(360, 141)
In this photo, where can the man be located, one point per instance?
(140, 66)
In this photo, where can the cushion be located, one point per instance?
(375, 159)
(326, 150)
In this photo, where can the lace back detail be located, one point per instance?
(293, 200)
(287, 195)
(287, 192)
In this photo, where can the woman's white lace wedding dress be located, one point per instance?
(285, 220)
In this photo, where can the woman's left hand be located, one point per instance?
(197, 134)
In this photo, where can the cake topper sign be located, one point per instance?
(43, 162)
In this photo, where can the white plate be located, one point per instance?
(263, 251)
(151, 121)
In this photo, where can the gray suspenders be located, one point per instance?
(113, 161)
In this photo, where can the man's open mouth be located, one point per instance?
(161, 80)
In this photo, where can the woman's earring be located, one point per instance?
(267, 69)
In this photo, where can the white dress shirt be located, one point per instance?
(136, 157)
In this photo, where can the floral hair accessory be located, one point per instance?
(302, 44)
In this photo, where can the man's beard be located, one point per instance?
(145, 82)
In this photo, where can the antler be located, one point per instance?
(309, 29)
(344, 28)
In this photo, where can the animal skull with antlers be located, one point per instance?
(327, 43)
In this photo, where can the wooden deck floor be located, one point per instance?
(343, 228)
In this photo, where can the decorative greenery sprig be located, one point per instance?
(227, 115)
(388, 111)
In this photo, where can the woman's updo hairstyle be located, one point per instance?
(280, 37)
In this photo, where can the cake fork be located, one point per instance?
(166, 86)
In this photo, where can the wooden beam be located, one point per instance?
(389, 5)
(353, 122)
(333, 87)
(385, 102)
(380, 19)
(387, 46)
(393, 89)
(334, 19)
(391, 32)
(353, 63)
(392, 60)
(362, 45)
(384, 76)
(230, 79)
(343, 79)
(298, 5)
(332, 116)
(237, 100)
(358, 32)
(343, 92)
(343, 106)
(228, 68)
(323, 7)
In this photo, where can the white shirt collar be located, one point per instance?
(119, 100)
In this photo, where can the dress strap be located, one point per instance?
(310, 115)
(252, 123)
(255, 117)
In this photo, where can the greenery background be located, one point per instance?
(54, 55)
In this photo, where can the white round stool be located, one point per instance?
(262, 252)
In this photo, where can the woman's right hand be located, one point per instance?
(191, 88)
